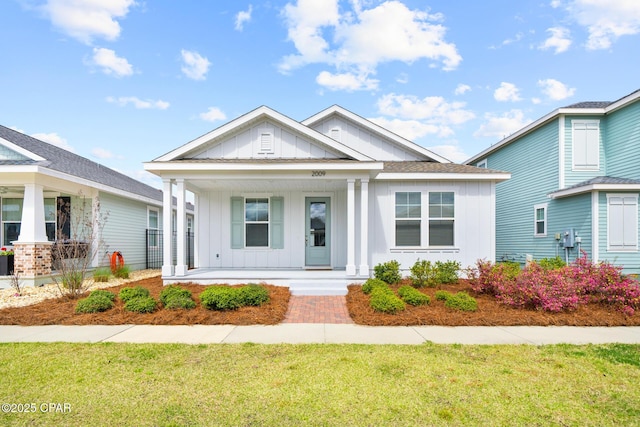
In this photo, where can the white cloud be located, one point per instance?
(54, 139)
(507, 92)
(555, 90)
(213, 114)
(503, 125)
(559, 40)
(461, 89)
(363, 38)
(111, 63)
(346, 81)
(403, 78)
(412, 129)
(102, 153)
(450, 152)
(242, 17)
(195, 65)
(85, 20)
(139, 103)
(605, 20)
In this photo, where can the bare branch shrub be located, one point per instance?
(15, 283)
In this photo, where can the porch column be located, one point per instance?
(181, 230)
(364, 227)
(32, 249)
(351, 227)
(167, 258)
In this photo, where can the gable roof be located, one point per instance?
(42, 154)
(580, 108)
(374, 128)
(257, 115)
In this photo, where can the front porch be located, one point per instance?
(299, 281)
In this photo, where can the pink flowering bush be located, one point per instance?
(559, 289)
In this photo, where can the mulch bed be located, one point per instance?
(490, 312)
(61, 311)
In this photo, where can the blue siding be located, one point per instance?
(623, 142)
(571, 213)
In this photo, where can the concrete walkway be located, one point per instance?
(307, 333)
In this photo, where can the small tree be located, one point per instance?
(73, 254)
(15, 283)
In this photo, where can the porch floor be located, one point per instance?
(299, 281)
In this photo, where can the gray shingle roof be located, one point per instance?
(66, 162)
(590, 104)
(433, 167)
(605, 180)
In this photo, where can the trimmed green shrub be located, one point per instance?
(461, 301)
(371, 284)
(220, 297)
(179, 301)
(388, 272)
(141, 305)
(172, 291)
(423, 273)
(442, 295)
(101, 275)
(447, 272)
(129, 293)
(413, 296)
(94, 304)
(253, 295)
(122, 272)
(385, 301)
(551, 263)
(102, 292)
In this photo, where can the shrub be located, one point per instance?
(220, 297)
(122, 272)
(129, 293)
(371, 284)
(173, 291)
(447, 272)
(141, 305)
(94, 304)
(413, 296)
(442, 295)
(423, 273)
(388, 272)
(101, 275)
(461, 301)
(73, 281)
(551, 263)
(102, 292)
(179, 301)
(490, 278)
(253, 295)
(385, 301)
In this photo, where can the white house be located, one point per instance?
(327, 198)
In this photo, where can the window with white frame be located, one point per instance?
(256, 220)
(540, 220)
(482, 164)
(408, 218)
(441, 218)
(622, 222)
(11, 218)
(153, 225)
(50, 214)
(586, 144)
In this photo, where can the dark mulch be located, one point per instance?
(61, 311)
(490, 313)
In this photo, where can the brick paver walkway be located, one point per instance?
(317, 309)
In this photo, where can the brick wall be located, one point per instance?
(32, 259)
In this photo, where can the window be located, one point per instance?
(622, 221)
(50, 214)
(586, 145)
(153, 216)
(540, 220)
(11, 218)
(441, 219)
(256, 219)
(408, 218)
(482, 164)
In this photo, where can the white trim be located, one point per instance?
(10, 145)
(581, 168)
(593, 187)
(622, 195)
(408, 176)
(351, 228)
(595, 226)
(157, 211)
(364, 227)
(543, 206)
(561, 151)
(484, 163)
(260, 166)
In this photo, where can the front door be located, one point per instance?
(318, 231)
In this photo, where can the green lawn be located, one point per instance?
(333, 385)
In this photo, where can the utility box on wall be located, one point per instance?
(569, 238)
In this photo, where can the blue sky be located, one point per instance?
(122, 82)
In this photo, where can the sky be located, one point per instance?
(123, 82)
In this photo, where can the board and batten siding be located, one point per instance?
(124, 228)
(573, 177)
(247, 144)
(533, 162)
(622, 144)
(363, 140)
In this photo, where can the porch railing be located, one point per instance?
(154, 245)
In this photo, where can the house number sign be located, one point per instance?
(318, 173)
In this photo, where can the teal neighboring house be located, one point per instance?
(574, 186)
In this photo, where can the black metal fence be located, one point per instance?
(154, 244)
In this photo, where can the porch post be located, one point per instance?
(181, 230)
(351, 227)
(167, 259)
(364, 227)
(32, 228)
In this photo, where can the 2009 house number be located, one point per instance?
(318, 173)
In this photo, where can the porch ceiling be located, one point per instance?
(266, 184)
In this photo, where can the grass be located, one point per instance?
(250, 384)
